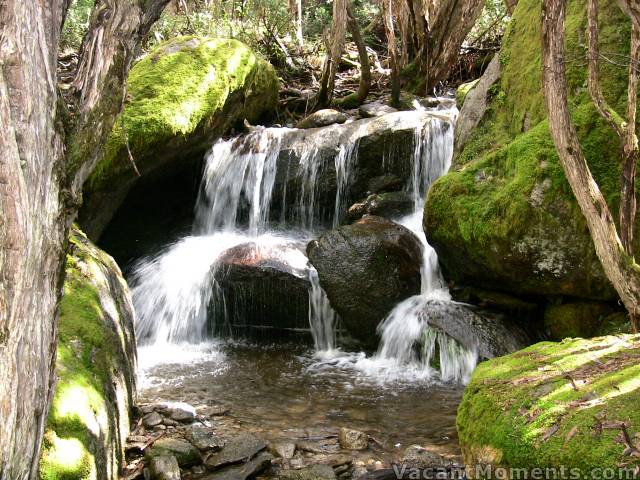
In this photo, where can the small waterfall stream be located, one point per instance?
(175, 290)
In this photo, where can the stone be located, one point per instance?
(375, 109)
(164, 467)
(324, 446)
(385, 183)
(186, 454)
(353, 439)
(152, 419)
(576, 319)
(391, 205)
(284, 450)
(178, 412)
(419, 457)
(322, 118)
(96, 320)
(256, 465)
(203, 438)
(366, 269)
(165, 138)
(242, 447)
(313, 472)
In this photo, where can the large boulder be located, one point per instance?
(89, 418)
(571, 404)
(182, 95)
(505, 218)
(366, 269)
(254, 279)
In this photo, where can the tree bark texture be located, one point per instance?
(619, 267)
(42, 168)
(365, 67)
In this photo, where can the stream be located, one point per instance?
(190, 351)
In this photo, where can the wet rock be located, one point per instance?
(253, 278)
(388, 205)
(323, 118)
(203, 438)
(314, 472)
(284, 450)
(214, 410)
(164, 467)
(186, 454)
(323, 446)
(366, 269)
(419, 457)
(237, 449)
(152, 419)
(180, 412)
(385, 183)
(375, 109)
(253, 467)
(353, 439)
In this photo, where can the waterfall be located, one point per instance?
(322, 317)
(345, 162)
(406, 338)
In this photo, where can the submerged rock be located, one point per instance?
(252, 467)
(566, 403)
(419, 457)
(183, 95)
(89, 421)
(353, 439)
(366, 269)
(323, 118)
(314, 472)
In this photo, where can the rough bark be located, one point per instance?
(510, 5)
(387, 15)
(619, 267)
(625, 129)
(442, 27)
(42, 170)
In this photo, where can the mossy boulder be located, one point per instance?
(555, 404)
(505, 218)
(578, 319)
(95, 365)
(180, 98)
(366, 269)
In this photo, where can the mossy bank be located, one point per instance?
(572, 404)
(95, 368)
(505, 217)
(180, 98)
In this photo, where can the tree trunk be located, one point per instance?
(295, 6)
(447, 24)
(365, 68)
(619, 267)
(510, 5)
(387, 16)
(42, 170)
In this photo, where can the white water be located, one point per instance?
(174, 290)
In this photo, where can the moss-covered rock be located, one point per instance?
(181, 96)
(89, 418)
(579, 319)
(463, 90)
(505, 217)
(554, 404)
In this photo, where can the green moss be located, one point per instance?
(463, 90)
(85, 357)
(575, 319)
(514, 403)
(175, 89)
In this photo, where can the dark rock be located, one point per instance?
(284, 450)
(579, 319)
(253, 278)
(388, 205)
(314, 472)
(237, 449)
(375, 109)
(323, 118)
(385, 183)
(186, 454)
(366, 269)
(164, 467)
(324, 446)
(254, 466)
(203, 438)
(353, 439)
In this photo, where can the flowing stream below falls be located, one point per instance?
(405, 393)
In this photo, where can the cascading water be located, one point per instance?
(176, 291)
